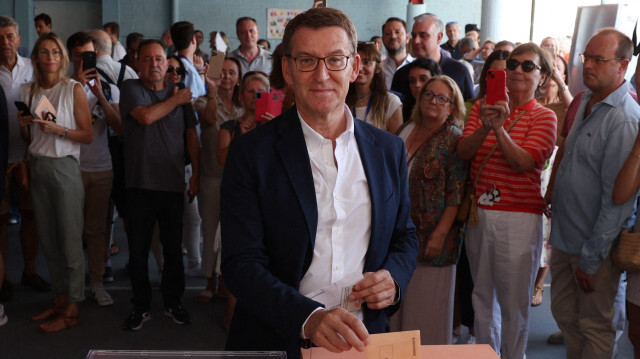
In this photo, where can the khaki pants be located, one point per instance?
(97, 189)
(586, 320)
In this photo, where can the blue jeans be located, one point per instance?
(145, 207)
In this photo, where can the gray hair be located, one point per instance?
(427, 15)
(467, 41)
(6, 21)
(101, 40)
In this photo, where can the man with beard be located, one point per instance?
(394, 38)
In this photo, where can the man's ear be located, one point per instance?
(356, 67)
(440, 36)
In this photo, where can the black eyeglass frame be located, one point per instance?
(318, 59)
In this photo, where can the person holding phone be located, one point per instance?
(515, 138)
(221, 104)
(95, 158)
(56, 181)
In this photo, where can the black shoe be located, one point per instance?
(108, 275)
(178, 314)
(135, 320)
(36, 282)
(6, 293)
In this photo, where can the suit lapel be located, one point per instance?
(292, 150)
(371, 157)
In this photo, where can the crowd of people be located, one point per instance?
(360, 181)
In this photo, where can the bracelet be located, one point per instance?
(564, 88)
(66, 130)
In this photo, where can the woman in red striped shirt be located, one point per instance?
(504, 246)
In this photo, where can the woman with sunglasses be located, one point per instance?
(368, 97)
(56, 184)
(508, 143)
(221, 104)
(191, 217)
(436, 185)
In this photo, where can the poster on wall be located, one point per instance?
(277, 19)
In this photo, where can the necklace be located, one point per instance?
(363, 96)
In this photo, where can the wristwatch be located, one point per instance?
(564, 88)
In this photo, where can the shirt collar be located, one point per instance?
(527, 106)
(314, 140)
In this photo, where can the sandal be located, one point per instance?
(47, 313)
(536, 300)
(205, 296)
(58, 324)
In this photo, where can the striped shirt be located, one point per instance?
(535, 132)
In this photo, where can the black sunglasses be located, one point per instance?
(527, 66)
(178, 70)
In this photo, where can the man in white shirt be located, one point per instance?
(16, 70)
(252, 57)
(109, 70)
(394, 38)
(184, 39)
(311, 198)
(117, 50)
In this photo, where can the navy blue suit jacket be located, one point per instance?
(269, 217)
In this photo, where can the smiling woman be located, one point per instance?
(56, 186)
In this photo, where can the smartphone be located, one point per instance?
(89, 60)
(496, 86)
(268, 102)
(215, 64)
(23, 107)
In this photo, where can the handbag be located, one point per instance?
(626, 255)
(469, 207)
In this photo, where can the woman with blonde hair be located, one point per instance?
(368, 97)
(56, 183)
(436, 186)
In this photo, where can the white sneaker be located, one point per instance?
(3, 317)
(100, 295)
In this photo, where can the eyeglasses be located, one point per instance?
(332, 63)
(427, 96)
(598, 60)
(54, 53)
(527, 65)
(178, 70)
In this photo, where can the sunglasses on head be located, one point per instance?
(527, 66)
(178, 70)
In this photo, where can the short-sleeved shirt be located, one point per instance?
(394, 103)
(535, 132)
(192, 78)
(154, 154)
(95, 156)
(262, 62)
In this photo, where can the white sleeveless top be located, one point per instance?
(49, 144)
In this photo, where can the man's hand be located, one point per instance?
(377, 289)
(336, 330)
(183, 96)
(194, 187)
(585, 281)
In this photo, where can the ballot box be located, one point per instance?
(179, 354)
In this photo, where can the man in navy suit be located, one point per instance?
(310, 198)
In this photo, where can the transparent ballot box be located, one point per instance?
(170, 354)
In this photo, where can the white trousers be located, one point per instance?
(504, 255)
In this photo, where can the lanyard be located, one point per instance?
(353, 111)
(186, 58)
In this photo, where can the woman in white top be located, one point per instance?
(368, 97)
(221, 104)
(56, 184)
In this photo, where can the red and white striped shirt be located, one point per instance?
(535, 132)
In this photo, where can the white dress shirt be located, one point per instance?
(389, 67)
(344, 207)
